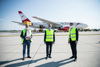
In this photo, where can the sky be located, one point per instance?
(85, 11)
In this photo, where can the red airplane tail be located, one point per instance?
(23, 17)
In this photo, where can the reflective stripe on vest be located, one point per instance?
(49, 35)
(22, 40)
(73, 34)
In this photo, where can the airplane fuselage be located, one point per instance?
(63, 24)
(44, 24)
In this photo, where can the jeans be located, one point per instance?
(27, 42)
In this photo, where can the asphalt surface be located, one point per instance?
(88, 48)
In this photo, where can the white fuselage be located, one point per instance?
(63, 24)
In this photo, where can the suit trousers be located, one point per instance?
(48, 48)
(73, 48)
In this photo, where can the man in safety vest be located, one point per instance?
(49, 39)
(26, 36)
(73, 40)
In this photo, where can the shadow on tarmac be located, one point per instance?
(50, 64)
(20, 63)
(56, 64)
(5, 62)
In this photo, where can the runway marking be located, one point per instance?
(98, 44)
(34, 55)
(43, 35)
(8, 35)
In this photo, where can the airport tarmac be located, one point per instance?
(88, 48)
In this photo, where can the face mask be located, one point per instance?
(71, 26)
(27, 28)
(49, 28)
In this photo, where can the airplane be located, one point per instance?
(44, 24)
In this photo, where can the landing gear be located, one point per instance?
(41, 28)
(34, 30)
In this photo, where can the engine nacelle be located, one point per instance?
(41, 26)
(60, 27)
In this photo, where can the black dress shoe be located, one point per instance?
(50, 57)
(28, 56)
(75, 59)
(71, 57)
(46, 57)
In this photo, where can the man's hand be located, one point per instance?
(68, 42)
(76, 42)
(44, 42)
(53, 42)
(28, 37)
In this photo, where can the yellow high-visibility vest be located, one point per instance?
(49, 35)
(73, 34)
(22, 40)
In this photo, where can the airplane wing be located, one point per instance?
(22, 24)
(47, 21)
(18, 22)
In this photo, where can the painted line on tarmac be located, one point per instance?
(34, 55)
(43, 35)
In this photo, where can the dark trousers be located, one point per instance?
(48, 48)
(26, 43)
(73, 48)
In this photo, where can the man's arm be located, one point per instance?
(68, 40)
(54, 37)
(77, 34)
(21, 35)
(31, 34)
(45, 37)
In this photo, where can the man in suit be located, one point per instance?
(49, 39)
(73, 40)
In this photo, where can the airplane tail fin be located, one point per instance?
(23, 17)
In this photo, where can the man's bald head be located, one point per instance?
(50, 25)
